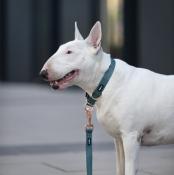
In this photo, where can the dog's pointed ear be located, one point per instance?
(95, 35)
(78, 35)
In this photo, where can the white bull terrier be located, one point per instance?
(137, 105)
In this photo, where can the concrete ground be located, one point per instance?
(42, 132)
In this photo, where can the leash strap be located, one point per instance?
(89, 108)
(89, 129)
(102, 84)
(89, 150)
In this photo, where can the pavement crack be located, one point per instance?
(61, 169)
(146, 172)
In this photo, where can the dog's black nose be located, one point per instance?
(44, 74)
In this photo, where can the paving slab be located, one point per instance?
(35, 114)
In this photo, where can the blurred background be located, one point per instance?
(35, 120)
(140, 32)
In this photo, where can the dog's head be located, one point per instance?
(67, 66)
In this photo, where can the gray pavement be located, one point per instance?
(42, 132)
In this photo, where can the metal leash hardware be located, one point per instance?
(89, 110)
(89, 130)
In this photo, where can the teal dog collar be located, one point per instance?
(101, 86)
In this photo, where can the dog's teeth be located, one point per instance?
(63, 80)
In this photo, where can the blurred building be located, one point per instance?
(141, 32)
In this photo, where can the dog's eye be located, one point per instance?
(69, 52)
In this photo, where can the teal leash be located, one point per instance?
(89, 109)
(89, 150)
(89, 130)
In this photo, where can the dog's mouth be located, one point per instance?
(64, 82)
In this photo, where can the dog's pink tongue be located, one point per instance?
(65, 82)
(63, 85)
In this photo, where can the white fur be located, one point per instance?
(137, 105)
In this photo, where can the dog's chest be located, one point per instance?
(108, 121)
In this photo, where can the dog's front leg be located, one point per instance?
(120, 162)
(131, 146)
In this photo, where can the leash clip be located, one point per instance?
(89, 110)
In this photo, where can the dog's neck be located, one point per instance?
(91, 78)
